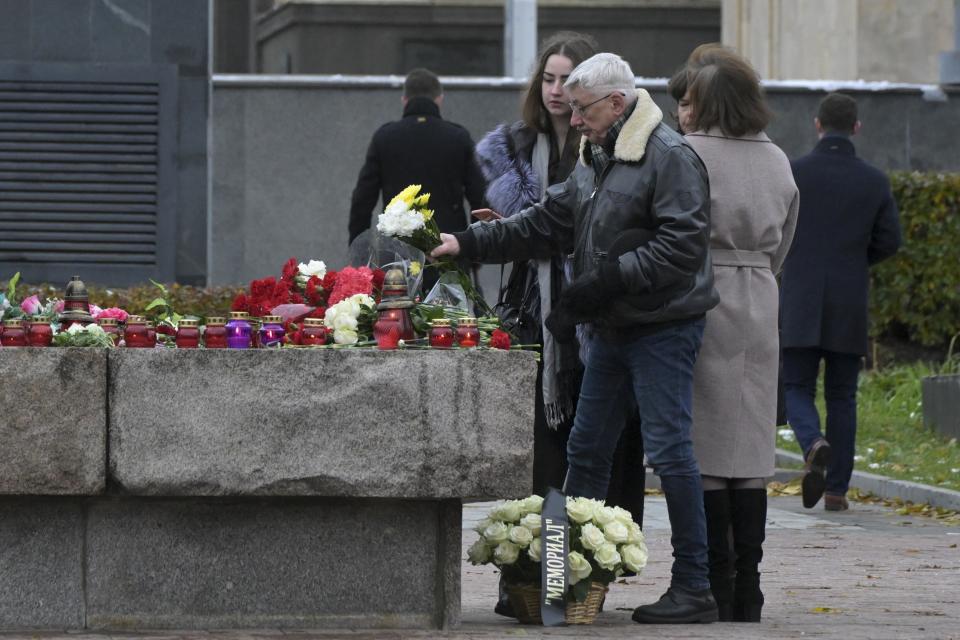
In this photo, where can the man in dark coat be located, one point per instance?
(421, 148)
(848, 221)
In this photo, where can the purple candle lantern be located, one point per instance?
(271, 333)
(239, 330)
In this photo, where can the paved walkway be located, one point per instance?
(866, 573)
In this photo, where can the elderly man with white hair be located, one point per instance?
(635, 215)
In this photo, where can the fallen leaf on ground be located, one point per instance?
(825, 610)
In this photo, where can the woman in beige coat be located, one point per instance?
(753, 212)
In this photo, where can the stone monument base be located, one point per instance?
(218, 563)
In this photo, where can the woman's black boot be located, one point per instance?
(503, 606)
(716, 504)
(748, 509)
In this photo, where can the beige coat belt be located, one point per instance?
(738, 258)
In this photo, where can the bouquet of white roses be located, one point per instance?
(604, 541)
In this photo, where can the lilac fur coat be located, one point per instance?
(504, 158)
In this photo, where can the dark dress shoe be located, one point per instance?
(679, 606)
(815, 473)
(835, 503)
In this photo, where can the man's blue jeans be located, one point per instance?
(801, 366)
(658, 370)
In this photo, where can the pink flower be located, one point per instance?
(58, 306)
(31, 306)
(95, 311)
(112, 312)
(351, 281)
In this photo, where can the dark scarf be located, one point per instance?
(601, 154)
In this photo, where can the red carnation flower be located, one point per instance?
(290, 271)
(240, 303)
(500, 339)
(315, 292)
(351, 281)
(330, 281)
(263, 288)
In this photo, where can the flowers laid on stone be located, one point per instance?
(78, 335)
(350, 318)
(309, 305)
(604, 543)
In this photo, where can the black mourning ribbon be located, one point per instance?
(554, 572)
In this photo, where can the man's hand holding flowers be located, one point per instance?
(449, 246)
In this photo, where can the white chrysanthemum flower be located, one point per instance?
(313, 268)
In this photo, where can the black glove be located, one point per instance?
(594, 290)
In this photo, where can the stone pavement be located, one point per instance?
(867, 573)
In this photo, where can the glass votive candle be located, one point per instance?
(39, 334)
(111, 327)
(188, 334)
(13, 333)
(272, 332)
(441, 334)
(468, 335)
(151, 333)
(215, 333)
(239, 330)
(313, 331)
(135, 334)
(386, 330)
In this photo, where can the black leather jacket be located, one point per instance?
(655, 181)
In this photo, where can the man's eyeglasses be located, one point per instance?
(582, 111)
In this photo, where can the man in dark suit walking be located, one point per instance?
(420, 148)
(848, 221)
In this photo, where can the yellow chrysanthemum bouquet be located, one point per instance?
(407, 218)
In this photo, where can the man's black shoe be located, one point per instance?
(679, 606)
(815, 472)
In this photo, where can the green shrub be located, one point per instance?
(185, 300)
(916, 294)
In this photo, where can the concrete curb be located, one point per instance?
(885, 487)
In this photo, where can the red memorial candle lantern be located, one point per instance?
(313, 332)
(394, 322)
(110, 327)
(215, 333)
(13, 333)
(441, 334)
(468, 335)
(76, 305)
(188, 334)
(39, 334)
(135, 334)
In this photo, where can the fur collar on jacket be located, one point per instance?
(504, 158)
(632, 142)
